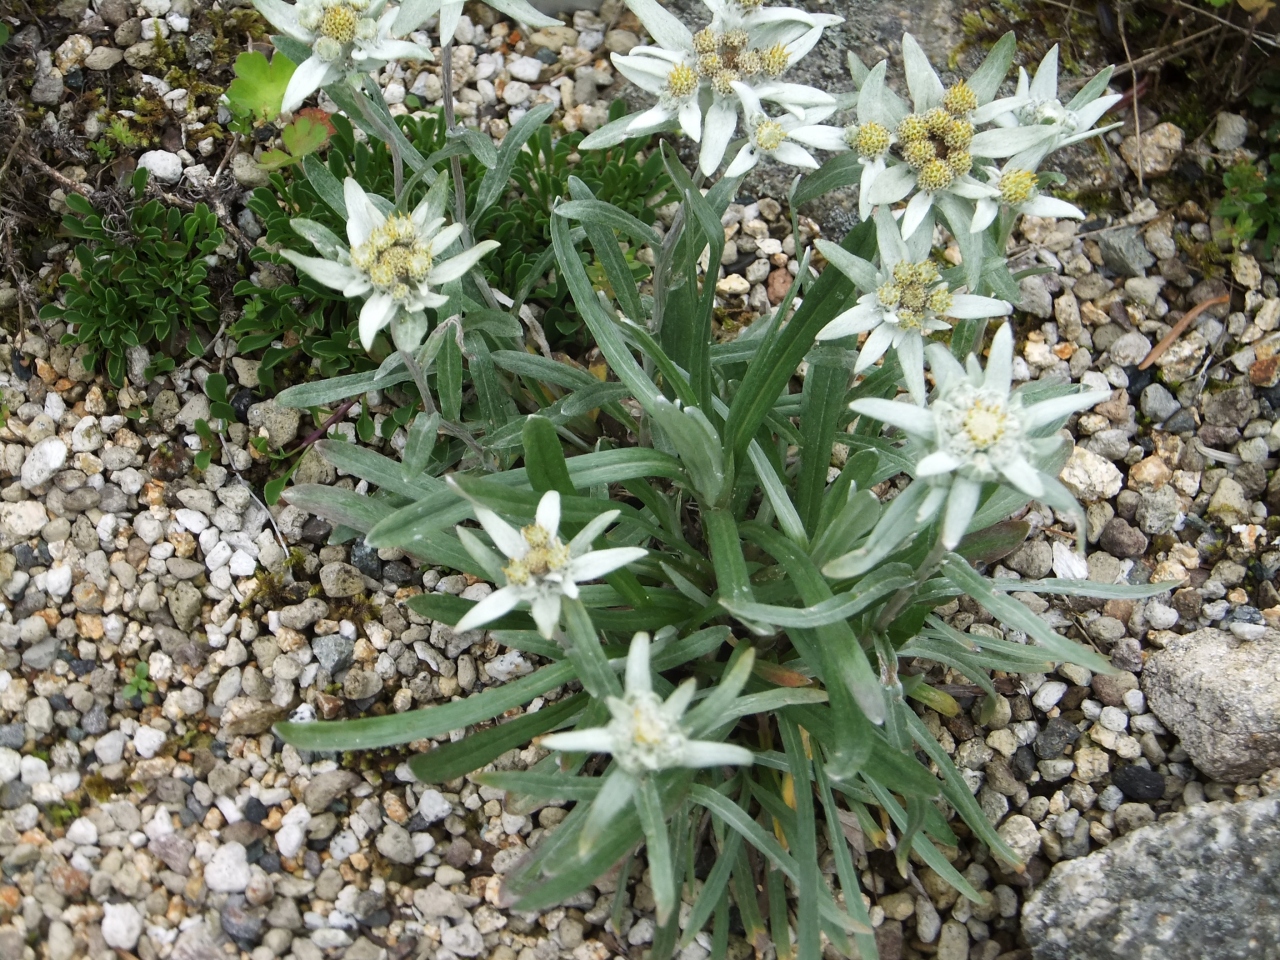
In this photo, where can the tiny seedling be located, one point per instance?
(140, 684)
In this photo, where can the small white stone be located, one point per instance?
(82, 832)
(219, 556)
(242, 564)
(192, 520)
(228, 871)
(1113, 718)
(57, 582)
(1048, 695)
(45, 459)
(34, 770)
(121, 925)
(528, 69)
(147, 741)
(10, 764)
(433, 806)
(110, 747)
(163, 165)
(516, 92)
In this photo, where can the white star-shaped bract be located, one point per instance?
(346, 37)
(976, 431)
(542, 569)
(1039, 113)
(693, 75)
(934, 138)
(902, 302)
(646, 734)
(782, 138)
(1017, 188)
(392, 259)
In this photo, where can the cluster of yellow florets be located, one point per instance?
(914, 294)
(870, 140)
(546, 554)
(682, 82)
(395, 257)
(936, 143)
(985, 422)
(769, 134)
(1017, 186)
(724, 58)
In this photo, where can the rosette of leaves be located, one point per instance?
(142, 280)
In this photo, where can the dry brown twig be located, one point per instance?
(1178, 328)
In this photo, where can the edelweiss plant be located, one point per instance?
(696, 491)
(394, 260)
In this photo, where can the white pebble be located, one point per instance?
(82, 832)
(1048, 695)
(433, 806)
(1115, 719)
(147, 741)
(1136, 701)
(121, 925)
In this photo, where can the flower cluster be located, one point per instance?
(977, 430)
(346, 37)
(703, 79)
(645, 734)
(394, 260)
(542, 569)
(904, 300)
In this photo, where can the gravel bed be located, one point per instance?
(183, 828)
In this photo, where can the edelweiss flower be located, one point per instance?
(392, 259)
(345, 36)
(903, 301)
(1018, 189)
(1041, 115)
(645, 734)
(976, 432)
(542, 569)
(934, 140)
(781, 137)
(693, 74)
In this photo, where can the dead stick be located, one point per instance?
(1158, 350)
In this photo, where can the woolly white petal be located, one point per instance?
(961, 506)
(999, 373)
(637, 676)
(984, 212)
(586, 536)
(331, 274)
(310, 75)
(855, 320)
(744, 160)
(374, 315)
(362, 216)
(1045, 84)
(936, 463)
(492, 607)
(1022, 475)
(545, 608)
(591, 740)
(548, 515)
(1042, 206)
(794, 155)
(911, 358)
(880, 340)
(707, 753)
(918, 208)
(966, 306)
(821, 136)
(647, 73)
(718, 127)
(907, 416)
(455, 267)
(599, 563)
(690, 117)
(504, 536)
(892, 185)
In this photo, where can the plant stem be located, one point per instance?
(903, 597)
(455, 170)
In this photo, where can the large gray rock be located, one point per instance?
(1221, 697)
(1203, 883)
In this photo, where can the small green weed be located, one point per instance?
(1250, 205)
(140, 685)
(138, 284)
